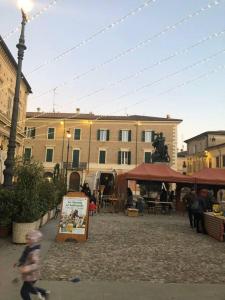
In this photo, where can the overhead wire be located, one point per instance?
(32, 18)
(141, 44)
(103, 30)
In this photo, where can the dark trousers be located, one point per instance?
(191, 217)
(200, 226)
(29, 288)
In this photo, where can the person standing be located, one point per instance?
(200, 209)
(189, 199)
(29, 267)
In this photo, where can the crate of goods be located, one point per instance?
(132, 212)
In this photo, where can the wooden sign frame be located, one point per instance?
(61, 236)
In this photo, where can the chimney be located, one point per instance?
(38, 109)
(77, 110)
(168, 116)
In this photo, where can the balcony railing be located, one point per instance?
(75, 166)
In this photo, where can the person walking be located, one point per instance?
(29, 267)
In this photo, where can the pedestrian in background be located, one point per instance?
(202, 206)
(29, 267)
(189, 200)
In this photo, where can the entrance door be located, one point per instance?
(74, 184)
(76, 158)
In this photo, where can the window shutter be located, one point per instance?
(77, 134)
(143, 136)
(98, 134)
(25, 131)
(129, 157)
(129, 136)
(107, 135)
(120, 135)
(153, 135)
(33, 130)
(119, 158)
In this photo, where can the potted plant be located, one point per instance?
(6, 211)
(29, 175)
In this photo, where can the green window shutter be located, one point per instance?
(51, 133)
(153, 135)
(119, 157)
(129, 136)
(148, 157)
(77, 134)
(76, 158)
(102, 157)
(143, 136)
(49, 155)
(25, 131)
(27, 153)
(32, 132)
(120, 135)
(129, 157)
(98, 134)
(107, 135)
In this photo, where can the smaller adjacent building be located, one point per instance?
(206, 150)
(182, 161)
(8, 71)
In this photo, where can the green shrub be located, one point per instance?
(7, 198)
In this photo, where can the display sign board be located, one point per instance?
(74, 219)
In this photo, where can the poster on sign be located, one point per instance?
(74, 218)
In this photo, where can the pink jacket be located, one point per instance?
(33, 265)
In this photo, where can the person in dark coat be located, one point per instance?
(163, 198)
(200, 206)
(189, 199)
(129, 198)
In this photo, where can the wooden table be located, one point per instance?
(159, 204)
(214, 225)
(114, 203)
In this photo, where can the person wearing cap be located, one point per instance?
(29, 267)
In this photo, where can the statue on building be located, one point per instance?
(160, 153)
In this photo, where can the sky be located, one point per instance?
(156, 61)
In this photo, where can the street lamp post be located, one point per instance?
(9, 162)
(68, 135)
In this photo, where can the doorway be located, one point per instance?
(74, 183)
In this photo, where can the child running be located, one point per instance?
(29, 267)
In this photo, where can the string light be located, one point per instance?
(32, 18)
(119, 21)
(138, 46)
(178, 86)
(161, 61)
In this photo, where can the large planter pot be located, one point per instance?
(4, 230)
(52, 213)
(44, 219)
(38, 224)
(20, 231)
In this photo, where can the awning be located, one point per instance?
(157, 172)
(212, 176)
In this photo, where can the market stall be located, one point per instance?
(213, 178)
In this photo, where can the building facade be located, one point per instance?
(182, 162)
(8, 69)
(205, 150)
(98, 147)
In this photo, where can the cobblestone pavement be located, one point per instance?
(158, 249)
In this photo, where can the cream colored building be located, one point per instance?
(205, 150)
(8, 67)
(182, 162)
(99, 147)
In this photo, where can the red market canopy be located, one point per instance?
(213, 176)
(157, 172)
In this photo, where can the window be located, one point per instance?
(103, 135)
(27, 153)
(102, 156)
(76, 158)
(124, 157)
(217, 162)
(51, 133)
(148, 157)
(77, 133)
(30, 132)
(125, 135)
(147, 136)
(223, 160)
(49, 155)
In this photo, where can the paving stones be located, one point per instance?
(158, 249)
